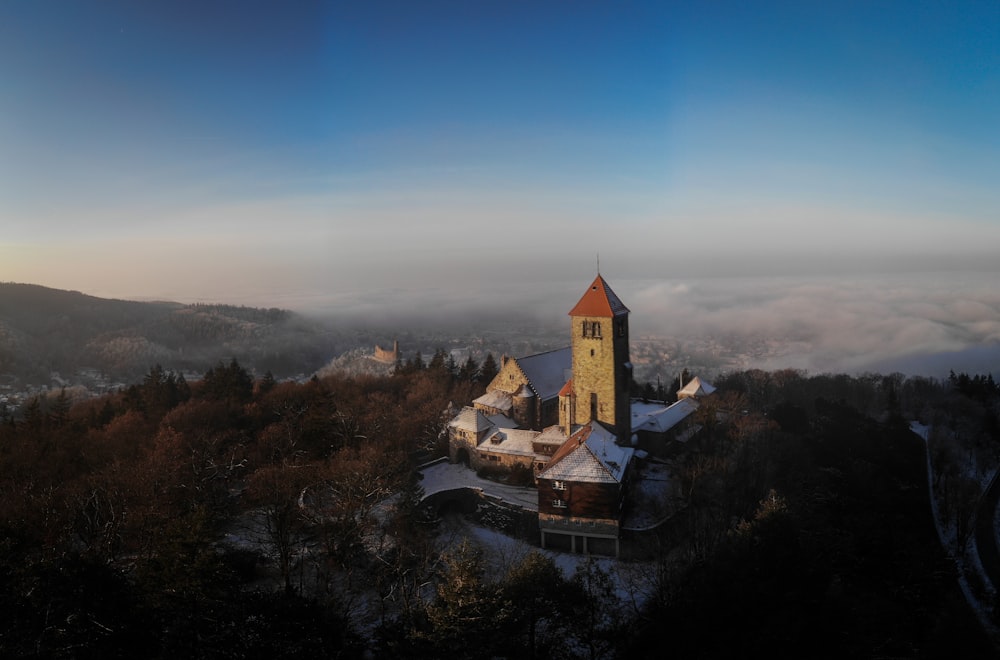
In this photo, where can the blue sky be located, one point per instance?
(254, 152)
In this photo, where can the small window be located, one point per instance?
(597, 329)
(586, 329)
(559, 504)
(559, 485)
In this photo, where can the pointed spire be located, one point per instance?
(599, 300)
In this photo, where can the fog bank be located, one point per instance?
(919, 324)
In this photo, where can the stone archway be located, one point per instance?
(462, 456)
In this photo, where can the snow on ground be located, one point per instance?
(652, 501)
(966, 562)
(633, 579)
(444, 476)
(653, 497)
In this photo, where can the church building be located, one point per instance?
(566, 415)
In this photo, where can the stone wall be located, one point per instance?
(594, 371)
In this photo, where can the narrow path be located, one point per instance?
(984, 538)
(986, 533)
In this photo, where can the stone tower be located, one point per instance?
(602, 371)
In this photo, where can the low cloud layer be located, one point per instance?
(919, 324)
(911, 323)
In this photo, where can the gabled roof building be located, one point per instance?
(566, 415)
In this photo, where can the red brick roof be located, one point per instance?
(599, 300)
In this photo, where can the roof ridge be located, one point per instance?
(598, 458)
(551, 350)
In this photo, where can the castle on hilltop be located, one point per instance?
(566, 416)
(387, 355)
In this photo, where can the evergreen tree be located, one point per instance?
(469, 371)
(266, 383)
(59, 410)
(437, 363)
(537, 603)
(489, 370)
(230, 382)
(463, 617)
(34, 419)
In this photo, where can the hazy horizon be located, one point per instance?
(915, 323)
(744, 162)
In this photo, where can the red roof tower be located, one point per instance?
(600, 301)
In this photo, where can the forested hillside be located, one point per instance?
(810, 531)
(46, 330)
(233, 517)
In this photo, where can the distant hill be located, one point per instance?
(44, 330)
(359, 361)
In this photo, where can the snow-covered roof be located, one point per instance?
(599, 300)
(470, 419)
(590, 455)
(552, 434)
(502, 421)
(496, 399)
(659, 417)
(696, 387)
(547, 372)
(510, 441)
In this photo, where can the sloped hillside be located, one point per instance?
(44, 330)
